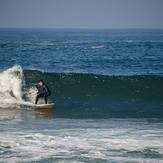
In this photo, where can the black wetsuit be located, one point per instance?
(43, 92)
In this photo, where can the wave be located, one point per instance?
(87, 95)
(92, 85)
(11, 87)
(93, 96)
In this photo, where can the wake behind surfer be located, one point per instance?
(43, 91)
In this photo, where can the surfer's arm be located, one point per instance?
(38, 89)
(37, 86)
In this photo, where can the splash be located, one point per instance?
(31, 93)
(11, 87)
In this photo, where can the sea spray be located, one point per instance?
(11, 87)
(30, 94)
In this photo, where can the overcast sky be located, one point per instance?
(81, 13)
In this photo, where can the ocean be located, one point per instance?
(107, 86)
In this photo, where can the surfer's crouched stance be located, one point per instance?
(43, 91)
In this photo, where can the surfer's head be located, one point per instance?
(41, 82)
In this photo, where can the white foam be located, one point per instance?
(97, 46)
(11, 84)
(31, 94)
(90, 144)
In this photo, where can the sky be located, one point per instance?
(81, 14)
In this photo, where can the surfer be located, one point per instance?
(43, 91)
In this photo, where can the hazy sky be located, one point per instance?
(82, 13)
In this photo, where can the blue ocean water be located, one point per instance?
(110, 52)
(107, 86)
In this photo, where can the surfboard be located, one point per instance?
(44, 106)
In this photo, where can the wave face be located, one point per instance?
(94, 96)
(86, 95)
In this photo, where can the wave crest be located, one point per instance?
(11, 87)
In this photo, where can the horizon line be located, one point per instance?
(82, 28)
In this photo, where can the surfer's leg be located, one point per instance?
(46, 99)
(37, 97)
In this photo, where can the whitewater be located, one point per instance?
(11, 92)
(27, 139)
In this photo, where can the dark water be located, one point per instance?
(98, 96)
(108, 90)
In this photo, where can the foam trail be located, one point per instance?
(11, 83)
(97, 46)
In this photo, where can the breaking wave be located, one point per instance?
(86, 95)
(11, 87)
